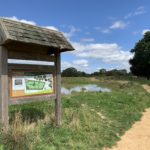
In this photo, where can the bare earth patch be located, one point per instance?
(93, 110)
(119, 81)
(138, 137)
(146, 87)
(122, 81)
(94, 79)
(98, 113)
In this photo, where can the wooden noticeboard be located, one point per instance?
(32, 82)
(20, 41)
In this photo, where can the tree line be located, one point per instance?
(140, 63)
(73, 72)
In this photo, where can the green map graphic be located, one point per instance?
(34, 85)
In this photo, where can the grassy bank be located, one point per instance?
(91, 120)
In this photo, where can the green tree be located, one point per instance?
(70, 72)
(102, 71)
(140, 63)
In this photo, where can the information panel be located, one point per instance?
(29, 84)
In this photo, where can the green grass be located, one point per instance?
(1, 147)
(91, 121)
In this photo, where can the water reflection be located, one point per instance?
(84, 88)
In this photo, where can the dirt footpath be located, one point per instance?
(138, 137)
(146, 87)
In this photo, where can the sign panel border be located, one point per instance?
(27, 68)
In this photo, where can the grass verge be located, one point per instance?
(91, 121)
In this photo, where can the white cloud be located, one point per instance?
(72, 32)
(106, 31)
(65, 64)
(108, 53)
(118, 25)
(52, 28)
(21, 20)
(111, 18)
(87, 33)
(139, 11)
(81, 62)
(98, 28)
(87, 40)
(144, 31)
(135, 32)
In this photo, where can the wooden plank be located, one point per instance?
(29, 56)
(48, 35)
(17, 101)
(26, 47)
(28, 40)
(38, 33)
(31, 68)
(3, 36)
(58, 89)
(23, 31)
(5, 30)
(36, 37)
(3, 88)
(30, 28)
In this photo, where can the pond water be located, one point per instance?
(84, 88)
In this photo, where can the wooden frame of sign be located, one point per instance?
(19, 70)
(5, 76)
(22, 41)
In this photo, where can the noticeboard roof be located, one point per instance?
(18, 32)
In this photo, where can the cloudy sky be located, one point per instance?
(102, 31)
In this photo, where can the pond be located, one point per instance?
(84, 88)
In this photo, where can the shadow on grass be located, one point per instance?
(28, 114)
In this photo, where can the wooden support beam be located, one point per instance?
(58, 89)
(30, 68)
(25, 55)
(30, 99)
(4, 88)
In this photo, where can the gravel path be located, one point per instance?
(138, 137)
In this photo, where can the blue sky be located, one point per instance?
(102, 31)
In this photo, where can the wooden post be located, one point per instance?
(3, 88)
(58, 89)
